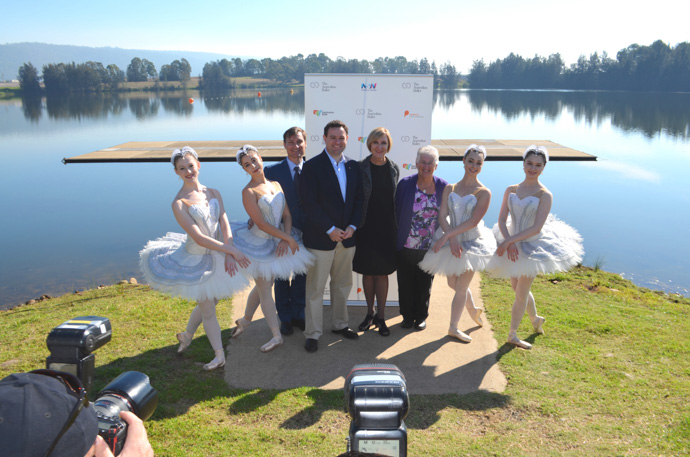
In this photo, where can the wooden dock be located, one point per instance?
(224, 151)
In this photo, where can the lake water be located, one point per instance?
(70, 227)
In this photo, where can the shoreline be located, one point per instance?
(134, 281)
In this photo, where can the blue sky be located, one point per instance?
(458, 31)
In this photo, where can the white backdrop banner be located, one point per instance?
(400, 103)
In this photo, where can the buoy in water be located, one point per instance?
(292, 91)
(258, 94)
(191, 100)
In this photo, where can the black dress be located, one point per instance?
(375, 253)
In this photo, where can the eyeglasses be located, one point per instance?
(73, 383)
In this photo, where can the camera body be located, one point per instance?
(71, 345)
(376, 398)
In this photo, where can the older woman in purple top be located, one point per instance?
(417, 202)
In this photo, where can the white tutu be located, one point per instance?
(478, 244)
(176, 265)
(260, 247)
(558, 247)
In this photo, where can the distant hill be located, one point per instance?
(14, 55)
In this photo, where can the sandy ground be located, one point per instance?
(432, 362)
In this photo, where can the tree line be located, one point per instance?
(94, 77)
(658, 67)
(291, 70)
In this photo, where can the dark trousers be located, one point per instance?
(290, 298)
(414, 285)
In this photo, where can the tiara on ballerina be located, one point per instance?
(183, 152)
(538, 150)
(243, 151)
(476, 148)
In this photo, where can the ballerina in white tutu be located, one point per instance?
(196, 265)
(275, 249)
(465, 245)
(532, 242)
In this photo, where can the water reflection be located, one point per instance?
(241, 101)
(648, 113)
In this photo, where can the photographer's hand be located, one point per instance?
(137, 443)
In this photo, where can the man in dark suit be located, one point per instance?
(331, 197)
(290, 294)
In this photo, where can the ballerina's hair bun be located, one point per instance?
(179, 153)
(243, 151)
(536, 150)
(475, 148)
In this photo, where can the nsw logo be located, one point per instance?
(368, 87)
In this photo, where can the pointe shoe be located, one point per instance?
(242, 325)
(537, 324)
(217, 362)
(517, 342)
(271, 345)
(477, 317)
(462, 336)
(185, 340)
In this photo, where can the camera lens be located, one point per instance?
(131, 391)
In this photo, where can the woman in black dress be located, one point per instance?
(375, 253)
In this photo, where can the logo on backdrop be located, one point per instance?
(372, 114)
(313, 84)
(359, 112)
(315, 138)
(409, 166)
(368, 87)
(419, 87)
(415, 140)
(321, 112)
(406, 85)
(407, 114)
(362, 139)
(325, 87)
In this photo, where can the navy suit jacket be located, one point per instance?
(281, 172)
(323, 202)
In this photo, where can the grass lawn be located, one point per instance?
(611, 377)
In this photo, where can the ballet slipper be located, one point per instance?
(271, 345)
(517, 342)
(185, 340)
(476, 316)
(462, 336)
(242, 325)
(217, 362)
(537, 324)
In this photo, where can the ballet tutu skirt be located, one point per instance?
(478, 243)
(558, 247)
(175, 264)
(260, 247)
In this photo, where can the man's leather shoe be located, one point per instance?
(407, 323)
(286, 328)
(311, 345)
(347, 332)
(299, 323)
(420, 325)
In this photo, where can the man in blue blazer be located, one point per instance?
(331, 197)
(290, 294)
